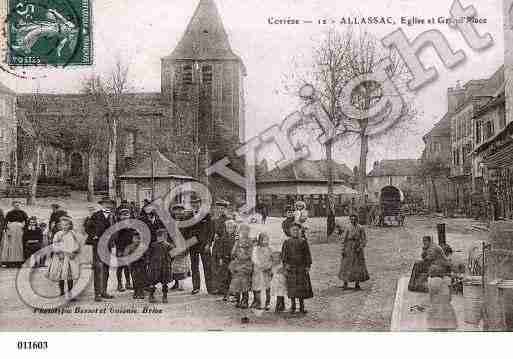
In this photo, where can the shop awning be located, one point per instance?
(501, 158)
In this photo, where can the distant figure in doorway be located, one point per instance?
(352, 264)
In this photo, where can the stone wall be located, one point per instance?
(8, 134)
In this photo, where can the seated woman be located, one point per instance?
(432, 254)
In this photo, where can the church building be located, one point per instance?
(196, 119)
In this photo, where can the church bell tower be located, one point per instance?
(202, 82)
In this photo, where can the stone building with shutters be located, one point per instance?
(196, 119)
(437, 148)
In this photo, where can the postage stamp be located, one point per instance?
(49, 32)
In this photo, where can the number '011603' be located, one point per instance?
(29, 345)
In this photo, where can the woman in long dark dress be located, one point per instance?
(11, 251)
(352, 264)
(297, 261)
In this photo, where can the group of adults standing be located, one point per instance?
(205, 231)
(21, 235)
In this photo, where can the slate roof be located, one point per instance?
(163, 168)
(401, 167)
(305, 171)
(441, 129)
(73, 103)
(205, 37)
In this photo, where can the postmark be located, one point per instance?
(49, 32)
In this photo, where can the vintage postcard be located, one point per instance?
(256, 165)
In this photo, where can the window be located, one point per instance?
(42, 169)
(488, 129)
(130, 144)
(206, 72)
(478, 132)
(2, 165)
(187, 75)
(502, 117)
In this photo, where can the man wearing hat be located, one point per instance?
(203, 231)
(97, 224)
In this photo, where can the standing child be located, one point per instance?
(65, 265)
(278, 282)
(160, 264)
(297, 261)
(241, 267)
(262, 265)
(441, 315)
(137, 267)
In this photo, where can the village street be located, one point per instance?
(390, 254)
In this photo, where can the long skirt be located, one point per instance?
(63, 267)
(11, 250)
(352, 265)
(298, 283)
(419, 277)
(159, 265)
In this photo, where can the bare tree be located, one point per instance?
(339, 58)
(108, 94)
(36, 132)
(87, 133)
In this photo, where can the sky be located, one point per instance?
(142, 32)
